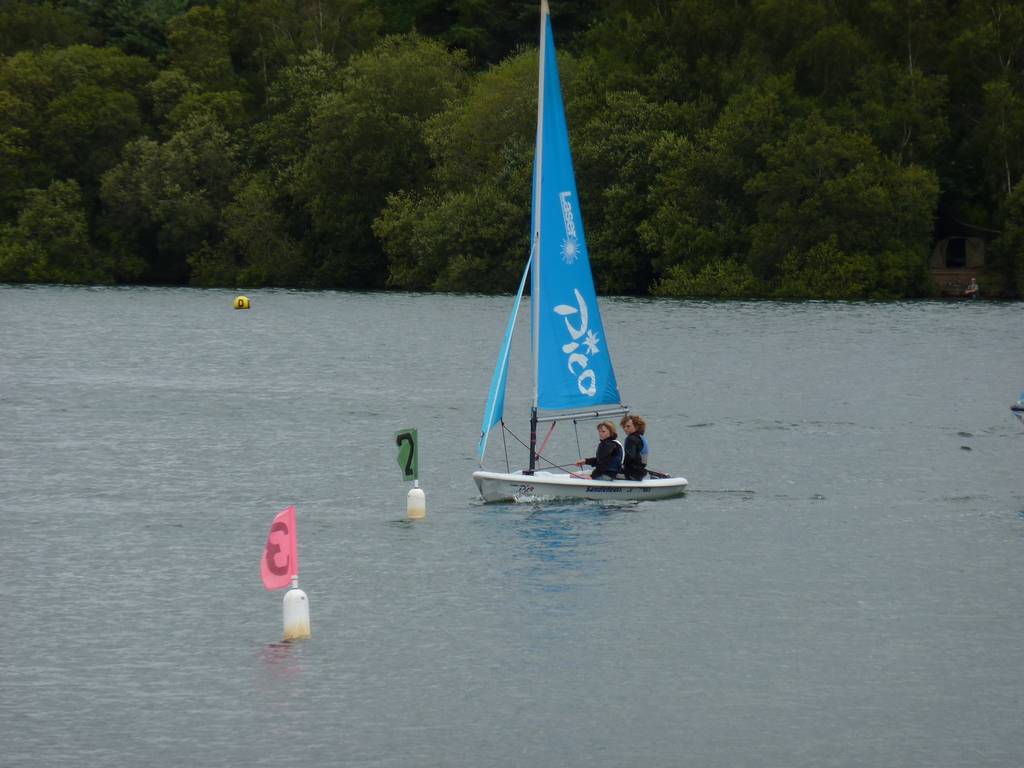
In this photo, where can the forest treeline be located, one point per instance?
(790, 148)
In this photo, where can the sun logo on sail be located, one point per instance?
(570, 251)
(570, 245)
(577, 362)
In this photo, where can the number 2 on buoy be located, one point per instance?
(408, 457)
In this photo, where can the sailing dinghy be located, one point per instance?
(573, 376)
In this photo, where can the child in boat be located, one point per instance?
(634, 463)
(608, 460)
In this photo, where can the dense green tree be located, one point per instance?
(675, 49)
(904, 110)
(475, 212)
(702, 211)
(256, 248)
(825, 271)
(754, 147)
(822, 184)
(283, 138)
(489, 133)
(68, 113)
(1007, 274)
(727, 279)
(827, 64)
(462, 241)
(401, 16)
(911, 33)
(783, 27)
(989, 45)
(133, 26)
(280, 144)
(488, 30)
(198, 43)
(227, 108)
(176, 100)
(986, 85)
(167, 90)
(613, 153)
(163, 201)
(30, 26)
(16, 157)
(367, 143)
(50, 241)
(1000, 133)
(269, 35)
(86, 128)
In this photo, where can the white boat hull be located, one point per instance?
(542, 486)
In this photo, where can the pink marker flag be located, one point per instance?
(281, 557)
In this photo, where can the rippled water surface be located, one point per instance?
(841, 587)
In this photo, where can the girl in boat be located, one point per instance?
(634, 462)
(608, 460)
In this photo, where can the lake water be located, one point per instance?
(843, 585)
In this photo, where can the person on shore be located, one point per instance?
(635, 448)
(608, 461)
(971, 291)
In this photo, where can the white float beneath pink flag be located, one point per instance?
(280, 563)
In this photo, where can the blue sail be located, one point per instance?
(573, 364)
(496, 395)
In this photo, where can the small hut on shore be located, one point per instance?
(955, 262)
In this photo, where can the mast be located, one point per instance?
(538, 173)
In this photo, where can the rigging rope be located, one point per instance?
(550, 463)
(508, 466)
(546, 438)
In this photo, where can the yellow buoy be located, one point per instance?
(242, 302)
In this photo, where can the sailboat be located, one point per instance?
(573, 377)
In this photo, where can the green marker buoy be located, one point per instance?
(408, 460)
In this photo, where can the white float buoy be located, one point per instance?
(296, 613)
(416, 502)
